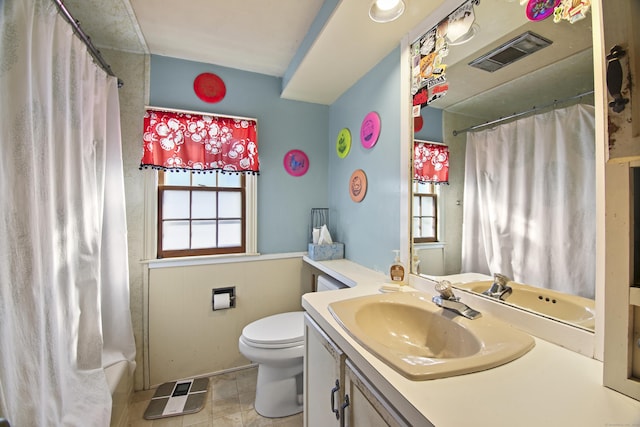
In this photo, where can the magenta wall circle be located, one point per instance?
(296, 162)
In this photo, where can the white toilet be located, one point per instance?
(276, 344)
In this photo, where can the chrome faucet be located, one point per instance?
(499, 288)
(448, 300)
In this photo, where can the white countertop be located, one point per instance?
(548, 386)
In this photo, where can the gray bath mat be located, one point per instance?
(178, 398)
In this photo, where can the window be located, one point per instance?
(205, 189)
(202, 213)
(425, 212)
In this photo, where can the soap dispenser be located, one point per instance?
(415, 264)
(396, 271)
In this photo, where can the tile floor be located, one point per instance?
(229, 403)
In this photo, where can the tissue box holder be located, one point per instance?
(326, 252)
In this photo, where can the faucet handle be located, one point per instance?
(500, 288)
(444, 288)
(501, 279)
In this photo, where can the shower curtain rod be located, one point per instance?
(86, 40)
(502, 119)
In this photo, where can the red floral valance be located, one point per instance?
(189, 141)
(430, 162)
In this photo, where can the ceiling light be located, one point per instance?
(386, 10)
(473, 30)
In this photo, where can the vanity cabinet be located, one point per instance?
(364, 405)
(323, 377)
(336, 393)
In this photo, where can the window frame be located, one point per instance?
(248, 220)
(436, 208)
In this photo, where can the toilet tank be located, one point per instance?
(328, 283)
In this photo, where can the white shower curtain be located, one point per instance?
(64, 299)
(529, 201)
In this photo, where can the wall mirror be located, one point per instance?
(537, 89)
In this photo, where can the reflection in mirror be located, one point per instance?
(526, 199)
(561, 306)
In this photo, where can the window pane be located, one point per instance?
(203, 204)
(230, 205)
(229, 180)
(203, 234)
(416, 205)
(175, 204)
(424, 187)
(190, 216)
(203, 179)
(230, 233)
(175, 235)
(416, 227)
(428, 228)
(176, 178)
(427, 206)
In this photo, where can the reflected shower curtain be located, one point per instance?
(529, 201)
(64, 299)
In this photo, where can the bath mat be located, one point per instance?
(178, 398)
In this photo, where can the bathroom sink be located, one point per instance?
(569, 308)
(423, 341)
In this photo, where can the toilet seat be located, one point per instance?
(282, 330)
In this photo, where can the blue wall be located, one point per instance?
(284, 202)
(432, 125)
(369, 229)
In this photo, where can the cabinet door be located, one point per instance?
(621, 28)
(323, 377)
(364, 405)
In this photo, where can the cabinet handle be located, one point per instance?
(614, 79)
(333, 403)
(342, 409)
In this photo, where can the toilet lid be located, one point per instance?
(284, 328)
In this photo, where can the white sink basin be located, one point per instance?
(568, 308)
(423, 341)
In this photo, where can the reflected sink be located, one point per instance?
(573, 309)
(423, 341)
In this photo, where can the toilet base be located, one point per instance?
(279, 390)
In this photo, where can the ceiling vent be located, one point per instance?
(523, 45)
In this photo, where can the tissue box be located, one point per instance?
(326, 252)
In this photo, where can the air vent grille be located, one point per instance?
(523, 45)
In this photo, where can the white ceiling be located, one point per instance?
(561, 70)
(263, 37)
(254, 35)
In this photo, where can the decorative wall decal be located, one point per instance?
(418, 122)
(370, 130)
(538, 10)
(296, 162)
(571, 10)
(428, 74)
(343, 143)
(209, 87)
(358, 185)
